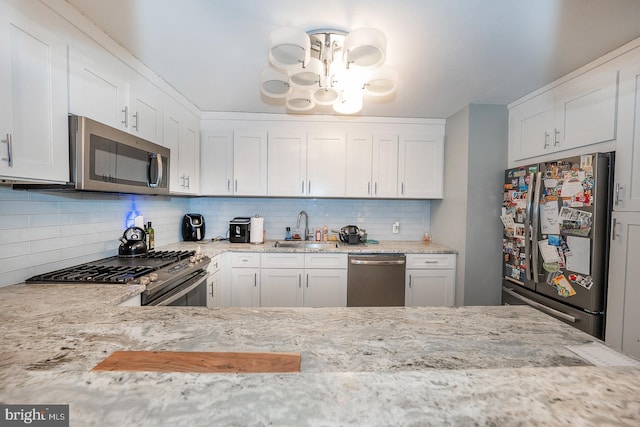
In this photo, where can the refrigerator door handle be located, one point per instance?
(527, 228)
(535, 226)
(550, 311)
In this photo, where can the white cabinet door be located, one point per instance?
(359, 179)
(250, 163)
(430, 287)
(531, 127)
(326, 165)
(421, 167)
(623, 298)
(181, 136)
(146, 111)
(214, 282)
(281, 287)
(216, 163)
(245, 287)
(585, 109)
(98, 90)
(627, 171)
(33, 112)
(385, 165)
(325, 288)
(287, 164)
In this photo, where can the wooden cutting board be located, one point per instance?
(187, 361)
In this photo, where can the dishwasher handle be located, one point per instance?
(377, 262)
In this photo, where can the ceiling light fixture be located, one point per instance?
(327, 67)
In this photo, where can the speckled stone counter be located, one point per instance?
(213, 248)
(360, 366)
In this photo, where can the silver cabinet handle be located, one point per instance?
(236, 190)
(402, 188)
(556, 139)
(369, 188)
(375, 188)
(302, 188)
(135, 126)
(410, 277)
(307, 280)
(550, 311)
(431, 262)
(125, 122)
(546, 140)
(299, 280)
(9, 157)
(188, 180)
(617, 198)
(614, 226)
(309, 190)
(228, 185)
(255, 280)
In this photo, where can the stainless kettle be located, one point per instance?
(132, 242)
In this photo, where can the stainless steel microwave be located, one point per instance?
(107, 159)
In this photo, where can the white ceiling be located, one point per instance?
(449, 52)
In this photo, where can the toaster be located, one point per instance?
(240, 230)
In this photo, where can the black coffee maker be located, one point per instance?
(193, 228)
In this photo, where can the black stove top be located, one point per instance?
(114, 269)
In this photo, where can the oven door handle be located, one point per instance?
(183, 292)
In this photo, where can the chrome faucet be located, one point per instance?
(306, 224)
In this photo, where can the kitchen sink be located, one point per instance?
(305, 244)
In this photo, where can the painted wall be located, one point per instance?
(42, 232)
(468, 218)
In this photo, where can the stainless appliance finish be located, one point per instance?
(171, 277)
(567, 202)
(376, 280)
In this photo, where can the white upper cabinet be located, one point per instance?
(577, 113)
(627, 170)
(372, 170)
(326, 165)
(216, 163)
(98, 90)
(146, 111)
(101, 87)
(250, 163)
(420, 166)
(33, 112)
(287, 164)
(181, 135)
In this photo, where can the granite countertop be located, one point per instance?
(213, 248)
(503, 365)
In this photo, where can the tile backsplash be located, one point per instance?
(375, 216)
(45, 231)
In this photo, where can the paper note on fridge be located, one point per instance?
(549, 253)
(549, 218)
(580, 258)
(571, 188)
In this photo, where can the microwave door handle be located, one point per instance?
(527, 228)
(158, 178)
(535, 227)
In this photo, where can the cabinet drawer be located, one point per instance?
(431, 261)
(245, 259)
(215, 264)
(281, 260)
(325, 260)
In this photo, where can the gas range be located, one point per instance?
(164, 273)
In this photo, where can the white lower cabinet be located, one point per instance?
(430, 280)
(286, 281)
(214, 283)
(245, 279)
(623, 295)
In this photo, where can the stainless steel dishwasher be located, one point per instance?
(376, 280)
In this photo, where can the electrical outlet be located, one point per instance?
(396, 227)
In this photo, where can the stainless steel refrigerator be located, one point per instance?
(556, 218)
